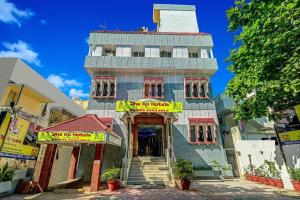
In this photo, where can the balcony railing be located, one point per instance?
(207, 65)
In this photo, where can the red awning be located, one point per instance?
(85, 123)
(202, 120)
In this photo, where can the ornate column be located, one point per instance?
(73, 163)
(97, 164)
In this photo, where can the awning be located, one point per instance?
(86, 129)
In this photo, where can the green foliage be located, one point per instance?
(226, 167)
(184, 169)
(111, 174)
(215, 163)
(267, 59)
(6, 173)
(272, 172)
(295, 174)
(261, 171)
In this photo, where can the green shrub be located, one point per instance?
(272, 171)
(184, 169)
(6, 173)
(111, 174)
(295, 174)
(215, 163)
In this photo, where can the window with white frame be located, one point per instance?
(154, 87)
(202, 133)
(104, 87)
(196, 88)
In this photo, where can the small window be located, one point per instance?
(165, 54)
(104, 87)
(193, 133)
(196, 88)
(201, 137)
(138, 54)
(193, 55)
(188, 90)
(202, 132)
(153, 87)
(209, 134)
(159, 90)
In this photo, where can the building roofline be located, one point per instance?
(150, 32)
(174, 7)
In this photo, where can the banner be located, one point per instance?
(288, 127)
(13, 146)
(4, 126)
(76, 137)
(140, 106)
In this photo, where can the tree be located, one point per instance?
(266, 61)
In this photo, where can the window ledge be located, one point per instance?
(101, 97)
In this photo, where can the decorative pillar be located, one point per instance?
(73, 163)
(97, 164)
(47, 166)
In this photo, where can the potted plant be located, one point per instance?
(112, 175)
(184, 171)
(274, 174)
(227, 170)
(217, 167)
(295, 176)
(6, 174)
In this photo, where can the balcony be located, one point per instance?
(205, 65)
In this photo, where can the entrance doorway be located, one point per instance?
(149, 135)
(150, 140)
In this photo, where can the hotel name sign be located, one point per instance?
(144, 106)
(65, 137)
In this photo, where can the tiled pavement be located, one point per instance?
(210, 190)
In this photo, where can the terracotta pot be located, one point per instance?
(185, 184)
(296, 185)
(279, 183)
(113, 185)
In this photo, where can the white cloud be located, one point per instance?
(56, 80)
(43, 22)
(72, 82)
(20, 50)
(78, 93)
(59, 81)
(87, 40)
(9, 14)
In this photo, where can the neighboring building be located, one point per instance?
(233, 131)
(83, 103)
(174, 64)
(29, 102)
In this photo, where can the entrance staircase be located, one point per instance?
(148, 171)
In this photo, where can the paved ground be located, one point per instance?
(228, 190)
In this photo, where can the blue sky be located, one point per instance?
(51, 36)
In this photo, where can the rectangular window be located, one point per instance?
(201, 137)
(165, 54)
(193, 134)
(202, 131)
(138, 54)
(193, 55)
(104, 87)
(196, 88)
(153, 87)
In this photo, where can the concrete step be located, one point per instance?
(136, 167)
(149, 175)
(147, 183)
(148, 179)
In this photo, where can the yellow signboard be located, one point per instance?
(141, 106)
(288, 127)
(290, 136)
(76, 137)
(13, 146)
(4, 127)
